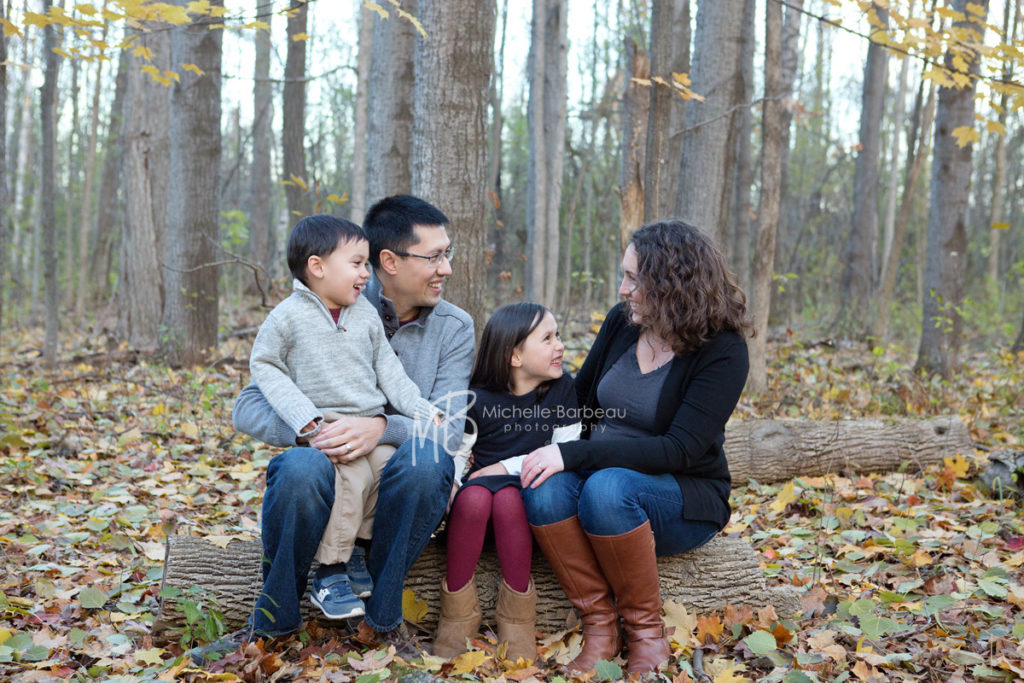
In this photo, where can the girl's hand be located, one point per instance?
(541, 464)
(489, 471)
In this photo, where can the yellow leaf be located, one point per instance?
(158, 410)
(468, 661)
(174, 14)
(412, 609)
(995, 127)
(684, 623)
(151, 70)
(151, 656)
(193, 68)
(10, 29)
(143, 51)
(938, 76)
(681, 79)
(725, 670)
(958, 463)
(62, 53)
(172, 76)
(154, 551)
(218, 12)
(965, 135)
(132, 434)
(5, 635)
(335, 199)
(1000, 226)
(786, 496)
(920, 559)
(201, 7)
(258, 25)
(300, 36)
(381, 12)
(189, 430)
(975, 8)
(40, 20)
(86, 9)
(299, 181)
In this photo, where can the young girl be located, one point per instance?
(523, 401)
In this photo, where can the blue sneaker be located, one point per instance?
(334, 596)
(358, 574)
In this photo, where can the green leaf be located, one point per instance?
(938, 603)
(797, 677)
(875, 626)
(761, 642)
(992, 588)
(981, 670)
(862, 608)
(1018, 630)
(608, 671)
(92, 598)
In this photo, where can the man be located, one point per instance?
(410, 252)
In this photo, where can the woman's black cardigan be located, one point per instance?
(697, 398)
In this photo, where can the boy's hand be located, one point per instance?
(349, 438)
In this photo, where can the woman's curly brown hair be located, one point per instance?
(689, 294)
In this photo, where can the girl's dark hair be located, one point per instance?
(689, 294)
(318, 235)
(507, 328)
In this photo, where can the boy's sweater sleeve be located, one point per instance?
(252, 415)
(270, 373)
(402, 393)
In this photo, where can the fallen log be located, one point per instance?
(777, 450)
(725, 571)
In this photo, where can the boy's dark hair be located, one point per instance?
(318, 235)
(507, 328)
(390, 221)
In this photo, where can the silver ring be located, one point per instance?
(347, 448)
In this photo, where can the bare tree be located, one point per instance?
(193, 211)
(546, 126)
(453, 66)
(1011, 17)
(743, 123)
(390, 104)
(261, 248)
(864, 230)
(357, 203)
(4, 206)
(947, 222)
(293, 138)
(47, 196)
(709, 150)
(636, 104)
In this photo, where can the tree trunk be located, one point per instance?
(74, 141)
(298, 188)
(193, 211)
(670, 53)
(946, 266)
(261, 189)
(861, 246)
(894, 162)
(1018, 345)
(357, 203)
(741, 208)
(450, 141)
(85, 216)
(107, 212)
(146, 162)
(768, 202)
(1011, 15)
(4, 194)
(390, 102)
(777, 450)
(496, 249)
(546, 128)
(636, 102)
(48, 193)
(723, 572)
(709, 150)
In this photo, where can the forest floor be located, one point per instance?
(903, 576)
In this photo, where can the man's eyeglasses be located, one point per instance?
(433, 259)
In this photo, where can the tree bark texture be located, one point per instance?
(48, 193)
(725, 571)
(546, 128)
(85, 214)
(453, 65)
(261, 189)
(1011, 16)
(670, 53)
(709, 150)
(293, 121)
(193, 213)
(741, 208)
(777, 450)
(864, 229)
(357, 201)
(108, 210)
(768, 203)
(390, 102)
(147, 168)
(4, 193)
(946, 259)
(636, 102)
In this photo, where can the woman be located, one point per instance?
(650, 477)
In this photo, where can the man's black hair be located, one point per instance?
(318, 235)
(389, 223)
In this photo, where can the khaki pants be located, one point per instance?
(355, 504)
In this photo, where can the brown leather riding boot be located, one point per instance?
(568, 551)
(459, 619)
(631, 567)
(516, 614)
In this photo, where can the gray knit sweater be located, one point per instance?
(305, 363)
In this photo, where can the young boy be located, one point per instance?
(320, 354)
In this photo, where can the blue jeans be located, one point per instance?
(297, 505)
(613, 501)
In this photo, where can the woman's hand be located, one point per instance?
(349, 438)
(489, 471)
(541, 464)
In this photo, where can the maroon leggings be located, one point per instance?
(474, 507)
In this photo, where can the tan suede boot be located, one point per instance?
(631, 567)
(459, 619)
(516, 616)
(568, 551)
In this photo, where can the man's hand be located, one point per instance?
(349, 438)
(489, 471)
(541, 464)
